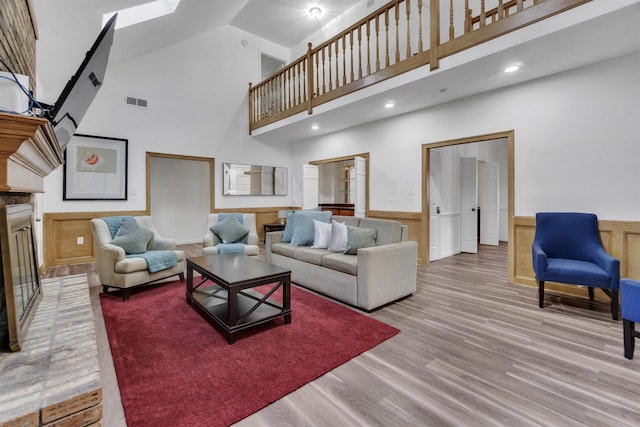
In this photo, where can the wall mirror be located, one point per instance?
(254, 180)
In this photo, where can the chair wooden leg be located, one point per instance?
(541, 293)
(614, 305)
(591, 296)
(629, 339)
(181, 276)
(125, 296)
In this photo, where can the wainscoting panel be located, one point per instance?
(62, 232)
(620, 238)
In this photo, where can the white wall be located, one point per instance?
(575, 142)
(197, 92)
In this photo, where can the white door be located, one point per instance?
(361, 186)
(434, 205)
(468, 204)
(309, 186)
(489, 192)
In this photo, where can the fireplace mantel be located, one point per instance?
(29, 151)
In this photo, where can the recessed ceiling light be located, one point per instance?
(315, 127)
(512, 69)
(389, 105)
(315, 12)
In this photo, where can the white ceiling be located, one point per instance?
(286, 22)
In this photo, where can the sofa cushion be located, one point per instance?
(340, 262)
(359, 238)
(303, 226)
(284, 249)
(132, 238)
(388, 231)
(313, 256)
(230, 230)
(321, 234)
(133, 264)
(338, 241)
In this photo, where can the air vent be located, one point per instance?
(136, 101)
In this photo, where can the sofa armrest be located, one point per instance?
(207, 240)
(539, 258)
(271, 238)
(159, 243)
(386, 273)
(252, 238)
(608, 263)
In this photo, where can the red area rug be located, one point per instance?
(175, 369)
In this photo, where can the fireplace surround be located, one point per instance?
(21, 290)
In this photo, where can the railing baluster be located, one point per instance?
(378, 45)
(337, 68)
(467, 17)
(397, 16)
(420, 26)
(408, 11)
(344, 61)
(351, 49)
(483, 14)
(324, 87)
(452, 32)
(369, 45)
(386, 24)
(330, 69)
(360, 52)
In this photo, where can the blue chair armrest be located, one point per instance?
(609, 264)
(539, 260)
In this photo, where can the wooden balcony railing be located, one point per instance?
(396, 38)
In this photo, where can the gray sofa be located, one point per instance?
(374, 277)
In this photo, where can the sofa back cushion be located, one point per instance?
(387, 231)
(353, 221)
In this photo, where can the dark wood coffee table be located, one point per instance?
(224, 292)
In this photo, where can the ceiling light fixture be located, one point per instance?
(315, 12)
(512, 69)
(389, 105)
(315, 127)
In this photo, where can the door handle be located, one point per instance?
(473, 209)
(438, 209)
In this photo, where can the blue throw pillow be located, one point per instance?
(303, 229)
(230, 230)
(132, 238)
(287, 234)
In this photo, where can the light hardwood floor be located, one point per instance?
(474, 350)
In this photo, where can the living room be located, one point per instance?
(567, 126)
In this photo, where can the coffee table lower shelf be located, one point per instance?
(213, 300)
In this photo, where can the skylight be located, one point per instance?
(144, 12)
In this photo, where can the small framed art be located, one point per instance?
(95, 168)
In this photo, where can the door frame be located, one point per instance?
(351, 157)
(425, 223)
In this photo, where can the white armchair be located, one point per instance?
(211, 241)
(118, 271)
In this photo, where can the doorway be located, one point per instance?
(435, 219)
(343, 181)
(180, 195)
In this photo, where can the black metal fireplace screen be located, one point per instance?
(20, 277)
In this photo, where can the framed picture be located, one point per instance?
(95, 168)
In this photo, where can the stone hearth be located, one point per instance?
(55, 378)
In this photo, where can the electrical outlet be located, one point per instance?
(80, 240)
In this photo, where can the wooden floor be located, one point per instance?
(474, 350)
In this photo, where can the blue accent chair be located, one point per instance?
(567, 249)
(630, 304)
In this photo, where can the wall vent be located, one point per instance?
(136, 101)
